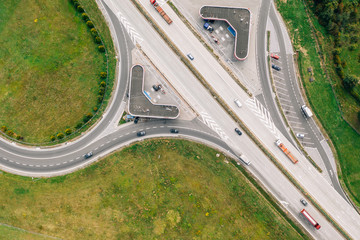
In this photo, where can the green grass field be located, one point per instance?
(161, 189)
(321, 96)
(9, 233)
(49, 68)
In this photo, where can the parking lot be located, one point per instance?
(290, 105)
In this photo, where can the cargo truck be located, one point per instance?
(310, 219)
(307, 112)
(286, 151)
(243, 159)
(161, 11)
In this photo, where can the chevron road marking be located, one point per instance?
(206, 119)
(263, 114)
(134, 36)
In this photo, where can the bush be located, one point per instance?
(359, 116)
(353, 47)
(103, 75)
(97, 40)
(87, 117)
(79, 125)
(343, 63)
(95, 109)
(340, 72)
(354, 39)
(101, 48)
(103, 84)
(52, 138)
(90, 24)
(18, 137)
(3, 128)
(94, 32)
(76, 4)
(349, 82)
(80, 9)
(337, 60)
(10, 133)
(100, 99)
(60, 136)
(85, 17)
(102, 91)
(359, 58)
(68, 131)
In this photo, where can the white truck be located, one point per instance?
(243, 159)
(306, 111)
(237, 102)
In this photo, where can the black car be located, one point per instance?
(88, 155)
(136, 120)
(173, 130)
(275, 67)
(238, 131)
(141, 133)
(156, 88)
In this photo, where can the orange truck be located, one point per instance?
(286, 151)
(161, 11)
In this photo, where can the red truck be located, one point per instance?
(310, 218)
(161, 11)
(286, 151)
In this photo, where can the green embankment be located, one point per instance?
(164, 189)
(321, 95)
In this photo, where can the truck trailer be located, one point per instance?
(310, 219)
(161, 11)
(286, 151)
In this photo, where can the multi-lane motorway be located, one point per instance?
(213, 127)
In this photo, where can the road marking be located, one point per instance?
(125, 135)
(108, 142)
(133, 131)
(207, 120)
(162, 126)
(154, 127)
(77, 158)
(261, 112)
(147, 128)
(114, 139)
(71, 160)
(134, 35)
(96, 148)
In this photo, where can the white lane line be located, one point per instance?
(51, 165)
(102, 145)
(289, 116)
(17, 163)
(108, 142)
(125, 134)
(65, 162)
(71, 160)
(114, 139)
(5, 158)
(30, 165)
(58, 164)
(25, 164)
(77, 158)
(147, 128)
(162, 126)
(44, 165)
(10, 160)
(37, 166)
(154, 127)
(133, 131)
(96, 148)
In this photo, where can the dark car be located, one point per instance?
(156, 88)
(275, 67)
(136, 120)
(173, 130)
(141, 133)
(88, 155)
(238, 131)
(303, 202)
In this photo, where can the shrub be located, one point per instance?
(359, 116)
(76, 4)
(354, 39)
(60, 136)
(10, 133)
(52, 138)
(337, 60)
(103, 75)
(359, 58)
(97, 40)
(90, 24)
(353, 47)
(349, 82)
(343, 63)
(340, 72)
(79, 125)
(101, 48)
(68, 131)
(94, 32)
(100, 99)
(18, 137)
(80, 9)
(85, 17)
(3, 128)
(87, 117)
(95, 109)
(102, 91)
(103, 84)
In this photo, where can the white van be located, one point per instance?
(243, 159)
(238, 103)
(306, 111)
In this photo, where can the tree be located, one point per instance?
(103, 84)
(349, 82)
(80, 9)
(52, 138)
(85, 17)
(97, 40)
(90, 24)
(79, 125)
(103, 75)
(68, 131)
(94, 32)
(101, 48)
(60, 136)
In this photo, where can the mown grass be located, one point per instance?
(161, 189)
(9, 233)
(321, 95)
(49, 68)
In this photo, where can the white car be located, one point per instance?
(300, 135)
(190, 56)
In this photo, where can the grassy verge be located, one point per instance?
(10, 233)
(163, 189)
(321, 96)
(49, 70)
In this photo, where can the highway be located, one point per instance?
(218, 132)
